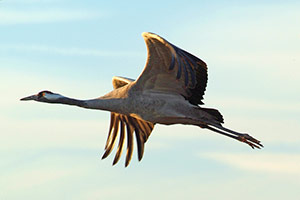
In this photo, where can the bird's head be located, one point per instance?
(43, 96)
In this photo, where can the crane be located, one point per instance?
(169, 91)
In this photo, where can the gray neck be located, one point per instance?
(109, 104)
(114, 104)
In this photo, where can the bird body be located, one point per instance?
(169, 91)
(150, 106)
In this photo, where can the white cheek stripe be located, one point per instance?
(52, 96)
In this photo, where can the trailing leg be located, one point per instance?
(245, 138)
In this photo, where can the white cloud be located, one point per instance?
(26, 179)
(72, 51)
(279, 163)
(32, 1)
(281, 65)
(8, 17)
(43, 134)
(260, 104)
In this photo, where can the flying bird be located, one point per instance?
(169, 91)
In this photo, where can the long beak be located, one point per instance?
(32, 97)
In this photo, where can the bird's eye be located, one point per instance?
(41, 94)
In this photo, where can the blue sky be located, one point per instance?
(74, 48)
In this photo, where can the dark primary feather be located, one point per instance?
(142, 131)
(112, 121)
(121, 143)
(129, 143)
(194, 68)
(111, 142)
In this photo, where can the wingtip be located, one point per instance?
(114, 162)
(140, 157)
(148, 35)
(116, 159)
(104, 155)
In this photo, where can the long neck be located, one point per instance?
(109, 104)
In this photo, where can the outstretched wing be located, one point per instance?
(173, 70)
(126, 125)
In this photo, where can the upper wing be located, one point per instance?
(171, 69)
(141, 128)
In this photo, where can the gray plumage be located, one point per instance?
(169, 91)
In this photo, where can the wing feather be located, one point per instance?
(112, 121)
(142, 130)
(121, 143)
(179, 68)
(140, 144)
(129, 143)
(164, 68)
(114, 136)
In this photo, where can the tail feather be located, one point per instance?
(214, 113)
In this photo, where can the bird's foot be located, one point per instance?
(252, 142)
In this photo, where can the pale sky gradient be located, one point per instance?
(74, 48)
